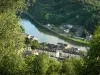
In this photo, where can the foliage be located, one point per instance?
(11, 5)
(83, 53)
(11, 63)
(54, 68)
(73, 66)
(23, 30)
(9, 29)
(34, 44)
(68, 68)
(76, 12)
(43, 65)
(29, 62)
(40, 65)
(14, 5)
(93, 56)
(79, 65)
(11, 39)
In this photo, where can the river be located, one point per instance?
(43, 36)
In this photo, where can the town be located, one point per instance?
(59, 51)
(71, 31)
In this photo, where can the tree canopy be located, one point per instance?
(76, 12)
(93, 56)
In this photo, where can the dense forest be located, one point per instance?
(76, 12)
(12, 44)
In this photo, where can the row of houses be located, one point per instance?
(68, 30)
(56, 49)
(58, 46)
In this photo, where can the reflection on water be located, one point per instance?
(42, 34)
(31, 29)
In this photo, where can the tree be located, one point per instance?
(40, 65)
(23, 30)
(54, 67)
(11, 38)
(75, 12)
(34, 44)
(12, 64)
(11, 5)
(85, 33)
(68, 68)
(11, 42)
(14, 5)
(29, 62)
(79, 66)
(82, 53)
(93, 55)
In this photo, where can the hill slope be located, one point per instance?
(77, 12)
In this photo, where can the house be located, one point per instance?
(69, 26)
(66, 31)
(66, 26)
(27, 36)
(57, 54)
(61, 45)
(88, 38)
(52, 47)
(36, 53)
(48, 25)
(34, 38)
(30, 37)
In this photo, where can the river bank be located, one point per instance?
(71, 40)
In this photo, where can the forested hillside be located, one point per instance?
(77, 12)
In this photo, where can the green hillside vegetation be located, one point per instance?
(76, 12)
